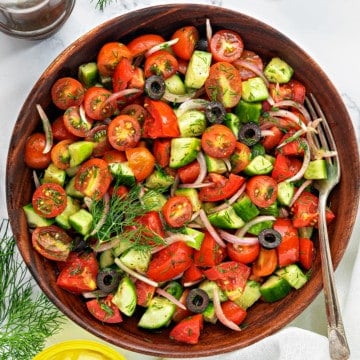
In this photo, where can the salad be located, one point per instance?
(176, 183)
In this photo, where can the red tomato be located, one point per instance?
(96, 105)
(120, 191)
(135, 110)
(60, 155)
(306, 253)
(188, 37)
(59, 131)
(93, 178)
(218, 141)
(305, 210)
(162, 121)
(266, 263)
(49, 200)
(226, 45)
(288, 250)
(79, 273)
(252, 59)
(75, 123)
(189, 173)
(152, 221)
(109, 56)
(177, 211)
(262, 190)
(181, 313)
(224, 84)
(170, 262)
(292, 90)
(67, 92)
(52, 242)
(104, 310)
(161, 151)
(222, 187)
(240, 158)
(124, 132)
(114, 156)
(192, 274)
(210, 253)
(291, 148)
(270, 141)
(188, 330)
(33, 155)
(285, 167)
(98, 136)
(143, 43)
(245, 254)
(161, 63)
(233, 312)
(144, 293)
(141, 161)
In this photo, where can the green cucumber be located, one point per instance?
(183, 151)
(125, 296)
(209, 313)
(80, 151)
(245, 208)
(198, 237)
(272, 210)
(71, 191)
(159, 180)
(198, 69)
(285, 193)
(226, 219)
(192, 123)
(175, 85)
(88, 74)
(250, 295)
(248, 112)
(316, 170)
(215, 165)
(123, 173)
(232, 121)
(257, 228)
(208, 286)
(293, 275)
(153, 200)
(81, 222)
(259, 165)
(53, 174)
(72, 206)
(192, 195)
(106, 259)
(278, 71)
(136, 258)
(254, 90)
(274, 288)
(34, 219)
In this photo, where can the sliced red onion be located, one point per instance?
(118, 95)
(292, 103)
(210, 228)
(172, 238)
(162, 46)
(135, 274)
(298, 192)
(106, 245)
(192, 283)
(195, 186)
(208, 30)
(175, 98)
(254, 69)
(203, 169)
(175, 185)
(242, 231)
(94, 294)
(101, 222)
(289, 115)
(170, 297)
(266, 132)
(37, 182)
(192, 104)
(227, 164)
(270, 100)
(305, 164)
(238, 240)
(47, 129)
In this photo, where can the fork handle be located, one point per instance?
(338, 346)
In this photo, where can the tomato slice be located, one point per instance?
(143, 43)
(233, 312)
(270, 141)
(292, 90)
(291, 148)
(262, 190)
(135, 110)
(188, 330)
(161, 63)
(181, 313)
(79, 273)
(141, 161)
(177, 211)
(124, 132)
(305, 210)
(161, 151)
(96, 105)
(189, 173)
(252, 59)
(75, 123)
(93, 178)
(222, 187)
(226, 45)
(60, 155)
(144, 293)
(192, 274)
(98, 135)
(306, 253)
(285, 167)
(123, 73)
(266, 263)
(218, 141)
(188, 37)
(245, 254)
(104, 310)
(170, 262)
(33, 154)
(52, 242)
(240, 158)
(59, 131)
(49, 200)
(67, 92)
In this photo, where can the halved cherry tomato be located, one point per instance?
(170, 262)
(306, 253)
(233, 312)
(181, 313)
(120, 191)
(67, 92)
(177, 211)
(288, 250)
(114, 156)
(59, 131)
(270, 141)
(161, 63)
(305, 210)
(96, 103)
(245, 254)
(152, 221)
(189, 173)
(104, 310)
(124, 132)
(285, 167)
(60, 155)
(252, 59)
(292, 90)
(226, 45)
(161, 122)
(135, 110)
(222, 187)
(192, 274)
(188, 330)
(33, 155)
(51, 242)
(143, 43)
(266, 263)
(75, 123)
(210, 253)
(224, 84)
(240, 158)
(144, 293)
(79, 273)
(262, 190)
(218, 141)
(141, 161)
(295, 147)
(161, 151)
(109, 56)
(98, 136)
(93, 178)
(188, 37)
(49, 200)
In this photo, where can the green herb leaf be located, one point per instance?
(102, 3)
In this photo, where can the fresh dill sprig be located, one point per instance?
(102, 3)
(27, 318)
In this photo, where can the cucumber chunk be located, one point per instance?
(80, 151)
(285, 193)
(226, 219)
(248, 112)
(259, 165)
(293, 275)
(175, 85)
(72, 206)
(245, 208)
(53, 174)
(81, 221)
(278, 71)
(192, 195)
(192, 123)
(136, 258)
(183, 151)
(274, 288)
(123, 173)
(254, 90)
(198, 69)
(88, 74)
(125, 296)
(34, 219)
(250, 295)
(316, 170)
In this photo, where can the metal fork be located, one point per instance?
(338, 346)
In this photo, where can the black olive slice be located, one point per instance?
(108, 280)
(249, 134)
(155, 87)
(215, 112)
(269, 238)
(197, 300)
(202, 45)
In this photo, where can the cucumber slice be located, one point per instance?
(293, 275)
(106, 259)
(192, 123)
(208, 286)
(285, 193)
(81, 221)
(209, 313)
(259, 165)
(123, 173)
(159, 180)
(278, 71)
(197, 235)
(198, 69)
(215, 165)
(136, 258)
(125, 296)
(88, 74)
(192, 195)
(250, 295)
(72, 206)
(80, 151)
(316, 170)
(175, 85)
(34, 219)
(53, 174)
(226, 219)
(245, 208)
(232, 121)
(71, 191)
(274, 288)
(248, 112)
(254, 90)
(183, 151)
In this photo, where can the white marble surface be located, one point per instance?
(326, 30)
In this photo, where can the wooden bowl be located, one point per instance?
(263, 319)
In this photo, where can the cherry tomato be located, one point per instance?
(270, 141)
(96, 103)
(188, 330)
(292, 90)
(93, 178)
(135, 110)
(252, 59)
(51, 242)
(306, 253)
(59, 131)
(120, 191)
(170, 262)
(141, 44)
(60, 155)
(114, 156)
(189, 173)
(161, 151)
(224, 84)
(49, 200)
(152, 221)
(305, 210)
(262, 190)
(188, 37)
(226, 45)
(218, 141)
(104, 310)
(34, 156)
(285, 167)
(98, 136)
(144, 293)
(177, 211)
(67, 92)
(245, 254)
(141, 161)
(192, 274)
(109, 56)
(181, 313)
(240, 158)
(266, 263)
(75, 123)
(233, 312)
(295, 147)
(124, 132)
(161, 63)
